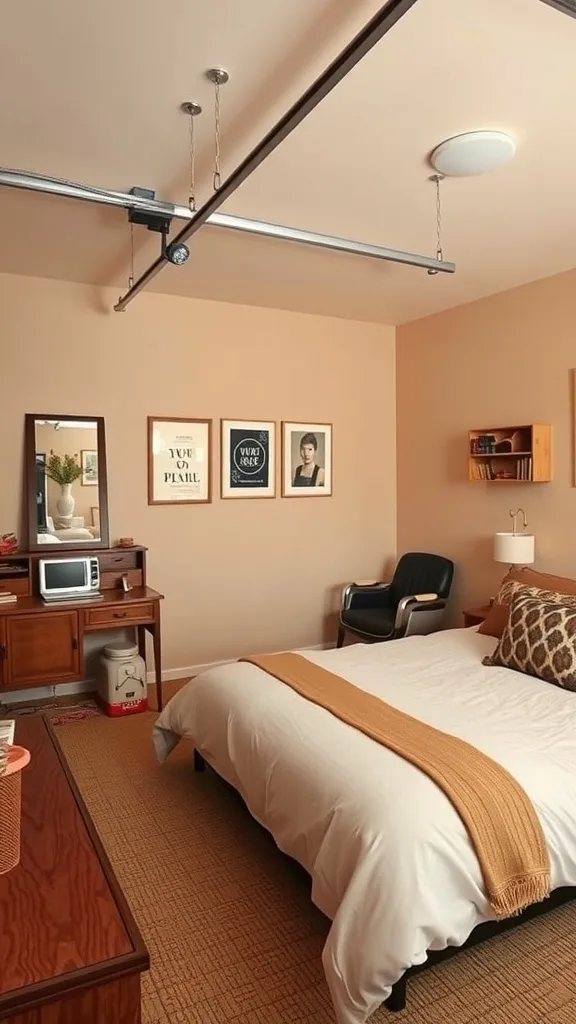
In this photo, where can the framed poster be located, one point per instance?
(248, 459)
(89, 466)
(179, 461)
(306, 460)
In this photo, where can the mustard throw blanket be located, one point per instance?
(501, 821)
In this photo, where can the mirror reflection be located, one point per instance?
(67, 491)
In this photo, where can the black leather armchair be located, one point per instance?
(413, 603)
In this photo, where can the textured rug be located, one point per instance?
(228, 921)
(57, 711)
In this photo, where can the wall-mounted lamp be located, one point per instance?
(515, 548)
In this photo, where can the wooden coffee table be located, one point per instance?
(70, 949)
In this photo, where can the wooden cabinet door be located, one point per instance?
(42, 649)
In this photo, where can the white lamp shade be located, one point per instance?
(514, 548)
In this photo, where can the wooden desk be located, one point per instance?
(70, 950)
(42, 644)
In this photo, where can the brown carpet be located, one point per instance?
(228, 920)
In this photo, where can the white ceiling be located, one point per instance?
(99, 102)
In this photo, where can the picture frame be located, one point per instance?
(179, 460)
(247, 458)
(306, 456)
(89, 467)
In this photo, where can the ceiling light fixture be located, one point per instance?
(177, 253)
(473, 153)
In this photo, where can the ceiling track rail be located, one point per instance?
(564, 6)
(34, 182)
(372, 33)
(346, 245)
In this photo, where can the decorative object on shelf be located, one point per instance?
(306, 460)
(511, 454)
(125, 542)
(248, 459)
(8, 544)
(64, 470)
(516, 548)
(179, 461)
(89, 464)
(12, 761)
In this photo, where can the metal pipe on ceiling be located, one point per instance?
(377, 252)
(34, 182)
(371, 34)
(87, 193)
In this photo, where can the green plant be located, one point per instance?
(63, 469)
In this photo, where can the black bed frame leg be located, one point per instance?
(199, 762)
(397, 999)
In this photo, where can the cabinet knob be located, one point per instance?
(74, 643)
(119, 615)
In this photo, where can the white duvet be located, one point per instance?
(391, 862)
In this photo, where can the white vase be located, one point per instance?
(66, 503)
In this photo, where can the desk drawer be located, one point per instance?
(19, 585)
(118, 559)
(119, 615)
(113, 580)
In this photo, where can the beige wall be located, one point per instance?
(503, 360)
(69, 441)
(238, 575)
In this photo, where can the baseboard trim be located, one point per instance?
(31, 695)
(195, 670)
(90, 685)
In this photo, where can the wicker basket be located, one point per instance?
(10, 801)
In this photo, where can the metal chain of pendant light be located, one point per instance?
(218, 77)
(437, 178)
(193, 110)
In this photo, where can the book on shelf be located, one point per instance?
(485, 470)
(7, 598)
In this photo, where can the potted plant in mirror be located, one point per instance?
(64, 470)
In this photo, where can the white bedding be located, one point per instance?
(391, 862)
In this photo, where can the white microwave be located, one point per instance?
(62, 579)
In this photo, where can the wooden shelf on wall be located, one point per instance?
(511, 455)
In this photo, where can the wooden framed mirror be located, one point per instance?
(66, 484)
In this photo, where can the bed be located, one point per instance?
(390, 860)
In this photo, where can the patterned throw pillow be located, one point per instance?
(539, 640)
(495, 622)
(532, 578)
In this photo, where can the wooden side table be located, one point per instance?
(474, 616)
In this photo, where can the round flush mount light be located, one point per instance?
(473, 153)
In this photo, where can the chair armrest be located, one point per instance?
(368, 594)
(415, 603)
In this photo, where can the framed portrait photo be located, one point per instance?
(179, 461)
(248, 459)
(306, 460)
(89, 467)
